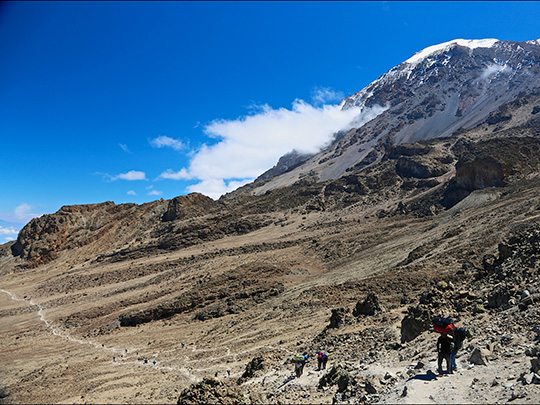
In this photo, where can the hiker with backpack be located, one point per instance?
(445, 343)
(459, 335)
(299, 362)
(445, 346)
(322, 359)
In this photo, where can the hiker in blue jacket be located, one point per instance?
(459, 335)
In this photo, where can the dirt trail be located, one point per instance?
(123, 355)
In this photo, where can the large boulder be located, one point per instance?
(417, 320)
(369, 306)
(499, 297)
(212, 391)
(337, 376)
(256, 364)
(338, 318)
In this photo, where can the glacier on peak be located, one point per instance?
(469, 43)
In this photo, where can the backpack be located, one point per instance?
(462, 333)
(322, 355)
(298, 359)
(443, 324)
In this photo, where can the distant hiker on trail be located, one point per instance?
(322, 359)
(299, 362)
(459, 335)
(444, 351)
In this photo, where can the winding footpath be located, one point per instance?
(124, 353)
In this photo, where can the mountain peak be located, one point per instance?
(434, 49)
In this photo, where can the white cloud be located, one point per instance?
(131, 192)
(493, 70)
(8, 230)
(167, 142)
(182, 174)
(155, 192)
(324, 95)
(132, 175)
(248, 146)
(23, 212)
(8, 239)
(214, 188)
(124, 147)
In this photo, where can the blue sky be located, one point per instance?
(131, 102)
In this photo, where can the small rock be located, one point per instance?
(535, 365)
(419, 365)
(526, 378)
(517, 395)
(389, 376)
(404, 392)
(479, 357)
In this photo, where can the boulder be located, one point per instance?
(479, 356)
(369, 306)
(255, 364)
(338, 318)
(417, 320)
(499, 297)
(337, 376)
(535, 365)
(419, 365)
(213, 391)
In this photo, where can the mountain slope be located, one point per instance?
(434, 94)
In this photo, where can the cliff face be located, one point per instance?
(107, 225)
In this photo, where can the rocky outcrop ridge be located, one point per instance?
(188, 206)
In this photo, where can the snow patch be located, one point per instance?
(434, 49)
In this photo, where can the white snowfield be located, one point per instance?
(434, 49)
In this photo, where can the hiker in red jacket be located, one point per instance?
(322, 359)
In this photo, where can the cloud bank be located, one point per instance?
(248, 146)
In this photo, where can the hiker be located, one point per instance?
(299, 363)
(444, 351)
(322, 359)
(459, 335)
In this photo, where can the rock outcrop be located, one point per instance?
(213, 391)
(188, 206)
(369, 306)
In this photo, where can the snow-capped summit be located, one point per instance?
(434, 49)
(441, 90)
